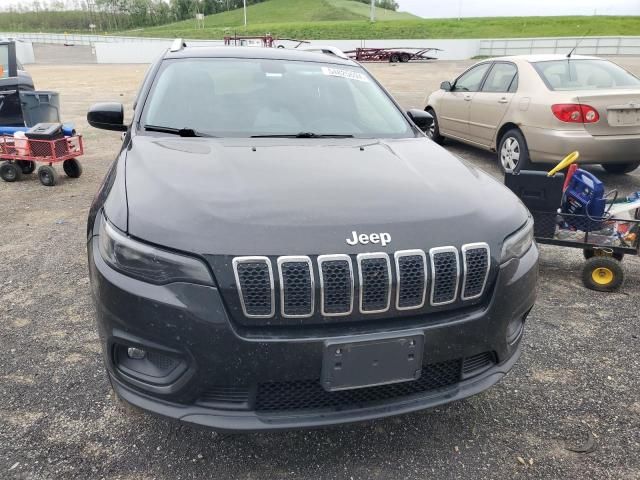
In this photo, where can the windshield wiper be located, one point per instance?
(303, 135)
(183, 132)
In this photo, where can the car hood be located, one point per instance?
(307, 196)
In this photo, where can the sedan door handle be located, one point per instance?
(467, 97)
(503, 100)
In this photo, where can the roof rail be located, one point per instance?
(177, 45)
(326, 49)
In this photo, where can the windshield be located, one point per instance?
(570, 74)
(254, 97)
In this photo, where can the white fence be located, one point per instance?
(585, 46)
(113, 49)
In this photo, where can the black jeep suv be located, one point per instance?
(278, 245)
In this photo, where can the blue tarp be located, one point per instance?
(67, 128)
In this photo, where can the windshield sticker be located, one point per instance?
(349, 74)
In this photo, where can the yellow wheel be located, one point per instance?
(603, 274)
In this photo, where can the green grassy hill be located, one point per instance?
(344, 19)
(288, 11)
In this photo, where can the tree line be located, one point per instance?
(114, 15)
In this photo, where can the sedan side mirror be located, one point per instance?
(107, 116)
(422, 119)
(446, 86)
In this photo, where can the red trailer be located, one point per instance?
(19, 156)
(393, 55)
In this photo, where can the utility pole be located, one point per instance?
(245, 13)
(373, 10)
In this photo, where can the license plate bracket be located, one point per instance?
(371, 362)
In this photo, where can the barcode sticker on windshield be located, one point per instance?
(350, 74)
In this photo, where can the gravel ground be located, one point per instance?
(569, 409)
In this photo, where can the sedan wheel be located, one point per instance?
(510, 154)
(513, 152)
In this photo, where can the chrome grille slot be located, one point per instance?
(445, 269)
(475, 257)
(411, 275)
(336, 284)
(254, 280)
(296, 287)
(375, 282)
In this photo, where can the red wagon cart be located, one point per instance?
(20, 156)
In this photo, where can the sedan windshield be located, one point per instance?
(584, 74)
(256, 97)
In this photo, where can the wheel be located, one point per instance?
(433, 132)
(72, 168)
(620, 167)
(405, 57)
(603, 274)
(10, 172)
(590, 253)
(513, 152)
(26, 166)
(47, 175)
(394, 58)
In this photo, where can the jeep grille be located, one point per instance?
(367, 283)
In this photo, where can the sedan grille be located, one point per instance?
(376, 284)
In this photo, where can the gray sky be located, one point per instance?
(497, 8)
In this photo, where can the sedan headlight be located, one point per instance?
(148, 263)
(518, 243)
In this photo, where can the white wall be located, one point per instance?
(130, 52)
(147, 52)
(24, 52)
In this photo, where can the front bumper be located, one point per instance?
(551, 146)
(190, 321)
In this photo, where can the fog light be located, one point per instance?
(515, 329)
(136, 353)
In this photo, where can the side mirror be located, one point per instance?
(446, 86)
(107, 116)
(422, 119)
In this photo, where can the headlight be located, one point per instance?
(518, 243)
(148, 263)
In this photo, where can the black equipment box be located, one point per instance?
(540, 194)
(45, 131)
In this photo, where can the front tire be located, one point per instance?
(603, 274)
(395, 58)
(433, 132)
(47, 175)
(620, 168)
(10, 172)
(72, 168)
(513, 153)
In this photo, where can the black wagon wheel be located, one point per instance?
(47, 175)
(27, 166)
(72, 168)
(603, 274)
(394, 58)
(600, 252)
(405, 57)
(10, 172)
